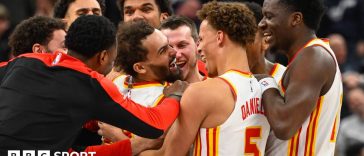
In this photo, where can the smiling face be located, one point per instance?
(207, 46)
(159, 58)
(181, 40)
(275, 24)
(143, 9)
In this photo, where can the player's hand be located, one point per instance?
(261, 76)
(176, 89)
(110, 132)
(139, 144)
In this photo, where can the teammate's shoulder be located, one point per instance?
(207, 88)
(317, 55)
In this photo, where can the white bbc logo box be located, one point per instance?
(29, 153)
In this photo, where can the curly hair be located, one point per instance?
(89, 35)
(312, 11)
(130, 47)
(174, 22)
(38, 29)
(233, 18)
(163, 6)
(61, 7)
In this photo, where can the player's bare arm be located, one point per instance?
(306, 80)
(197, 104)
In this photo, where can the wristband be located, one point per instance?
(267, 83)
(178, 95)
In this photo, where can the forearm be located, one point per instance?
(280, 114)
(143, 121)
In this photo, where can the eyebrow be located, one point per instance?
(161, 49)
(87, 9)
(143, 5)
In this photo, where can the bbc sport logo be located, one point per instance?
(47, 153)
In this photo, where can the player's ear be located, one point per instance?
(37, 48)
(139, 68)
(296, 18)
(220, 37)
(163, 16)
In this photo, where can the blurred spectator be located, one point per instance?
(355, 150)
(353, 79)
(352, 127)
(346, 17)
(187, 8)
(338, 45)
(4, 26)
(45, 7)
(19, 10)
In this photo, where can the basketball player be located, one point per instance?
(258, 64)
(222, 115)
(308, 116)
(182, 35)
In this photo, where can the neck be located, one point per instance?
(194, 76)
(141, 78)
(232, 57)
(303, 38)
(89, 63)
(268, 66)
(259, 67)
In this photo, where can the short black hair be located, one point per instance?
(61, 7)
(256, 9)
(130, 49)
(89, 35)
(163, 6)
(174, 22)
(37, 29)
(312, 11)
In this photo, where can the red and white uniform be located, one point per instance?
(246, 129)
(317, 136)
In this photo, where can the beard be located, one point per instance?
(164, 74)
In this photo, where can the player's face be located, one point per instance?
(207, 46)
(181, 40)
(255, 50)
(57, 41)
(275, 24)
(159, 58)
(143, 9)
(82, 7)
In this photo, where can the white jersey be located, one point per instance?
(317, 136)
(277, 72)
(148, 94)
(246, 129)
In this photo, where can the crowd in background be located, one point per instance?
(343, 24)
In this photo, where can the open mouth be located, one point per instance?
(181, 64)
(268, 36)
